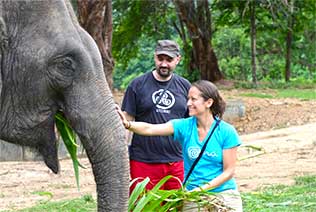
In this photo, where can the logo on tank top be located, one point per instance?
(166, 101)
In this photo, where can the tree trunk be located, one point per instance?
(95, 16)
(253, 42)
(196, 17)
(289, 38)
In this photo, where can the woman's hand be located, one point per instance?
(126, 123)
(144, 128)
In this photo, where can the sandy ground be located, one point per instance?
(283, 129)
(285, 154)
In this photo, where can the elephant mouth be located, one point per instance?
(40, 136)
(46, 143)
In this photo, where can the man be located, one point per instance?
(156, 97)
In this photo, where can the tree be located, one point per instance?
(253, 41)
(147, 19)
(246, 11)
(95, 16)
(235, 26)
(289, 39)
(196, 16)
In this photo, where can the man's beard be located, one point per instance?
(163, 72)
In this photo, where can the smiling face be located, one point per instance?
(165, 65)
(197, 105)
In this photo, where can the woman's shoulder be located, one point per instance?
(229, 135)
(226, 126)
(182, 127)
(188, 120)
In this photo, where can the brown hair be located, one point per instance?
(209, 91)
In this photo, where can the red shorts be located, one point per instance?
(157, 171)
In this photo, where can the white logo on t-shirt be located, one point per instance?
(166, 101)
(193, 152)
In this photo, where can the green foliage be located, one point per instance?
(49, 195)
(231, 39)
(83, 204)
(88, 198)
(192, 76)
(69, 139)
(231, 68)
(258, 95)
(244, 84)
(142, 200)
(306, 94)
(143, 62)
(281, 198)
(137, 27)
(298, 83)
(138, 24)
(168, 200)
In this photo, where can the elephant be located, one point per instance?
(50, 64)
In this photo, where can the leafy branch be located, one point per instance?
(69, 138)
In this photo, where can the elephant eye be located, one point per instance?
(61, 71)
(66, 63)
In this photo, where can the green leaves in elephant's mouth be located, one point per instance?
(69, 137)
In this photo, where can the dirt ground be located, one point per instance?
(283, 130)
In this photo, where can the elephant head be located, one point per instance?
(49, 63)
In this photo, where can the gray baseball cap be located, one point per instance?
(167, 47)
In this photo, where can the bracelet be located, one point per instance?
(128, 125)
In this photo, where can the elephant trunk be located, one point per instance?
(103, 137)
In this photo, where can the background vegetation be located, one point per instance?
(285, 35)
(253, 41)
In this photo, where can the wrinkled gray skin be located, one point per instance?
(49, 63)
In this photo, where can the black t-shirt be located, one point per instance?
(139, 100)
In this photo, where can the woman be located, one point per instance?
(215, 169)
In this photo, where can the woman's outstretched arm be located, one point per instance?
(147, 129)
